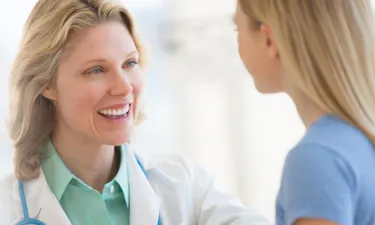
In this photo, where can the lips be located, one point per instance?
(116, 113)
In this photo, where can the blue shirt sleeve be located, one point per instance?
(318, 183)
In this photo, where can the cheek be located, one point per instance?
(79, 102)
(263, 69)
(138, 83)
(247, 52)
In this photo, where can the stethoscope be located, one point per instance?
(31, 221)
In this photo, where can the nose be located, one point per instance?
(121, 84)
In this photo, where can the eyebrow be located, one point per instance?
(133, 53)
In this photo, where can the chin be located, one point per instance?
(117, 139)
(264, 89)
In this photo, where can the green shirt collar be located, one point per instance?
(58, 176)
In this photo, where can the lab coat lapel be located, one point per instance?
(144, 204)
(42, 204)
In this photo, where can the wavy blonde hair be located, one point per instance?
(47, 31)
(327, 47)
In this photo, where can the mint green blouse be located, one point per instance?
(81, 203)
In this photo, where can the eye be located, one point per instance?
(131, 63)
(95, 70)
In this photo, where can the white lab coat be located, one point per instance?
(182, 192)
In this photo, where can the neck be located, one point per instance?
(93, 163)
(307, 110)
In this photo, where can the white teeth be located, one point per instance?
(115, 112)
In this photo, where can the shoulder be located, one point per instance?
(6, 198)
(175, 167)
(179, 182)
(320, 180)
(189, 189)
(318, 183)
(334, 147)
(6, 188)
(339, 136)
(318, 163)
(7, 181)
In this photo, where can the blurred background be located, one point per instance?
(201, 103)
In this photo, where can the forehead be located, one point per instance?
(110, 39)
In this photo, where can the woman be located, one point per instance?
(321, 53)
(76, 90)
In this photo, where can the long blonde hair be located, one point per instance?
(328, 48)
(47, 31)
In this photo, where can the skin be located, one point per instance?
(98, 70)
(259, 53)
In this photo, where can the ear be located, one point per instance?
(49, 93)
(273, 51)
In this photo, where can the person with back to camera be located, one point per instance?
(321, 53)
(76, 97)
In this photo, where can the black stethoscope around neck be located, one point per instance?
(33, 221)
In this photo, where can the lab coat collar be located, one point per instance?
(43, 205)
(144, 203)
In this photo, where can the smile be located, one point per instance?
(118, 113)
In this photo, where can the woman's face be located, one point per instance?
(98, 85)
(259, 53)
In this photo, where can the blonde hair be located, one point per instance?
(47, 31)
(327, 47)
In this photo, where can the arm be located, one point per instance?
(216, 208)
(314, 222)
(318, 187)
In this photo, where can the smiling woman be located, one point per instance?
(98, 86)
(76, 92)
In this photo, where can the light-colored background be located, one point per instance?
(201, 102)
